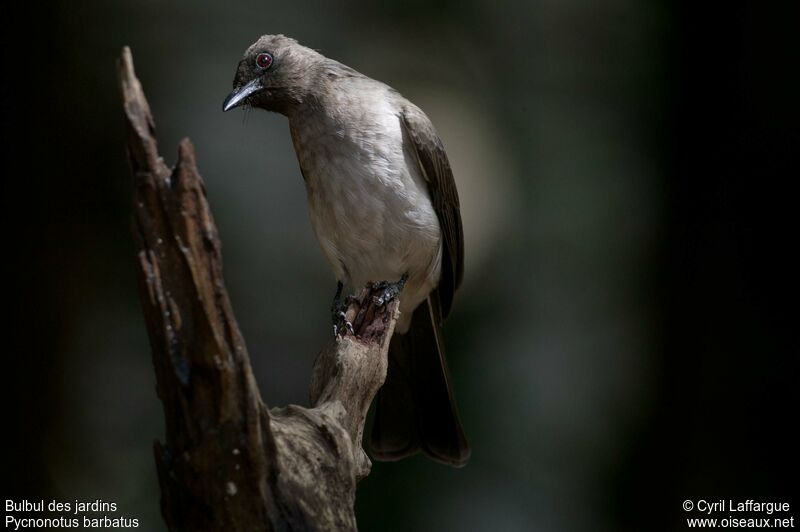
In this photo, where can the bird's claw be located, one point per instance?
(341, 325)
(388, 291)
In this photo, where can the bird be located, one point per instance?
(384, 208)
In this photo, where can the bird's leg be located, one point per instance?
(389, 291)
(341, 325)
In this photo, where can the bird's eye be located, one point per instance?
(264, 60)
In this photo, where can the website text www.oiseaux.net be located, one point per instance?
(738, 514)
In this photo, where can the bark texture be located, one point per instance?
(227, 461)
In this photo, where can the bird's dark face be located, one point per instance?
(274, 74)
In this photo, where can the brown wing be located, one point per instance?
(436, 170)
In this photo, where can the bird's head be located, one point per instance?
(275, 73)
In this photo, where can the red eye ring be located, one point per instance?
(264, 60)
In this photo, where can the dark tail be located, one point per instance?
(415, 409)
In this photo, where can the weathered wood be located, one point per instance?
(227, 462)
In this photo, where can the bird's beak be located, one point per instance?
(238, 96)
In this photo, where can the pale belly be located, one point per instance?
(372, 215)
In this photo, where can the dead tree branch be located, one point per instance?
(227, 462)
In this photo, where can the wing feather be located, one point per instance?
(442, 187)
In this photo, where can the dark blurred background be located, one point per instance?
(626, 336)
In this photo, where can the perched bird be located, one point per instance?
(384, 207)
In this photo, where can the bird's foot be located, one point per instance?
(389, 291)
(341, 325)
